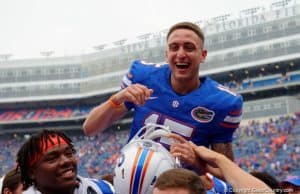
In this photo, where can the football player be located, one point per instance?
(173, 94)
(48, 164)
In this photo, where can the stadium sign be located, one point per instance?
(212, 26)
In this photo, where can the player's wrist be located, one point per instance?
(222, 161)
(114, 103)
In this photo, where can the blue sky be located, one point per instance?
(73, 27)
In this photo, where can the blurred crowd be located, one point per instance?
(71, 112)
(261, 81)
(271, 145)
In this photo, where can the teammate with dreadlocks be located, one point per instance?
(48, 165)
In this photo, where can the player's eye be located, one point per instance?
(173, 47)
(189, 47)
(70, 152)
(51, 157)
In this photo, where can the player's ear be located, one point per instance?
(166, 56)
(207, 182)
(31, 173)
(203, 55)
(6, 191)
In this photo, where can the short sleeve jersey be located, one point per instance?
(86, 186)
(209, 114)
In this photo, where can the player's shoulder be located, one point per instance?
(86, 186)
(97, 185)
(147, 66)
(221, 91)
(141, 70)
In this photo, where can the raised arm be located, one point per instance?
(113, 109)
(206, 160)
(240, 180)
(102, 116)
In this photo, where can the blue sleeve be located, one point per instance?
(221, 187)
(230, 122)
(104, 186)
(138, 72)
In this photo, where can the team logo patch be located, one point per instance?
(202, 114)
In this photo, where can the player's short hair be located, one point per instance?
(180, 178)
(189, 26)
(32, 148)
(11, 180)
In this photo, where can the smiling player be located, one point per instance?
(48, 165)
(173, 94)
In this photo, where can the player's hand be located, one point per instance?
(182, 149)
(135, 93)
(201, 158)
(209, 159)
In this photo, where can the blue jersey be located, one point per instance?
(209, 114)
(220, 187)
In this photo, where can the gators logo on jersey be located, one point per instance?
(202, 114)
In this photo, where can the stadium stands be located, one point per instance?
(272, 145)
(73, 112)
(255, 55)
(43, 114)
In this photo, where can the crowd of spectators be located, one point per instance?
(99, 153)
(261, 81)
(41, 114)
(69, 112)
(272, 145)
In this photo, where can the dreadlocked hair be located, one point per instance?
(32, 147)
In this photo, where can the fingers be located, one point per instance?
(138, 94)
(194, 146)
(177, 138)
(135, 93)
(200, 157)
(181, 148)
(207, 155)
(196, 156)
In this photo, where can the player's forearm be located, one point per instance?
(241, 181)
(102, 117)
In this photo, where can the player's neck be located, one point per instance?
(185, 86)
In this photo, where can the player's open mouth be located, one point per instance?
(182, 65)
(68, 173)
